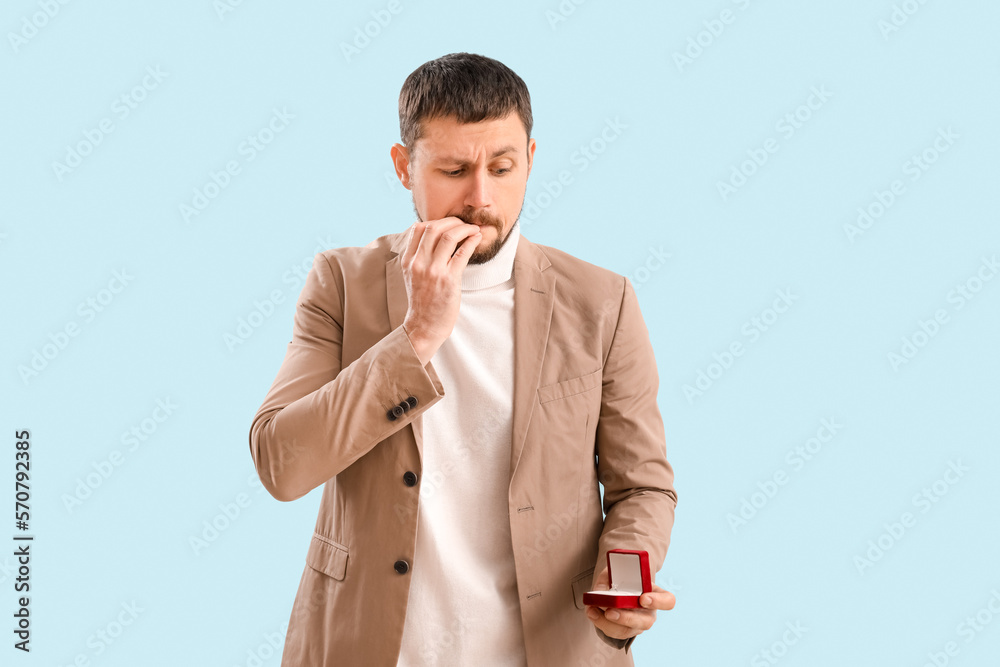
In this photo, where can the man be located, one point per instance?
(460, 391)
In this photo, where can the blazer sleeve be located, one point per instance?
(639, 496)
(318, 418)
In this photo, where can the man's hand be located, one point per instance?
(433, 262)
(625, 623)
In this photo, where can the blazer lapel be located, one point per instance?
(534, 293)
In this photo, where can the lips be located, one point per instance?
(479, 221)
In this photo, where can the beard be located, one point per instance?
(483, 218)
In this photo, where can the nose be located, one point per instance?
(478, 195)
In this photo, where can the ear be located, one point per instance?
(401, 163)
(531, 154)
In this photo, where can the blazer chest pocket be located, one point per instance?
(326, 556)
(581, 584)
(570, 387)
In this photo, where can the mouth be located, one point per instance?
(477, 221)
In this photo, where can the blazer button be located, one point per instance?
(405, 406)
(395, 413)
(409, 478)
(412, 400)
(401, 566)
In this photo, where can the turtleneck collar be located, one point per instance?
(495, 271)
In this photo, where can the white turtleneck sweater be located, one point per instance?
(463, 606)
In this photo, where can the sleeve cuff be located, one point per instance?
(617, 643)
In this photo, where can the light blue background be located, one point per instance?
(326, 181)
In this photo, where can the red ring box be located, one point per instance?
(628, 576)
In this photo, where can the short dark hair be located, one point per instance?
(466, 86)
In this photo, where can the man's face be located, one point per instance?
(476, 172)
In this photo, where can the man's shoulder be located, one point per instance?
(354, 258)
(587, 274)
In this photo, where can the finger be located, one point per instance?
(640, 620)
(658, 599)
(431, 240)
(463, 254)
(451, 239)
(416, 232)
(610, 628)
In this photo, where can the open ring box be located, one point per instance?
(628, 576)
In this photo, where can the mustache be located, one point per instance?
(478, 217)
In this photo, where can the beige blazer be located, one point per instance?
(345, 411)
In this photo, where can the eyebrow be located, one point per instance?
(497, 153)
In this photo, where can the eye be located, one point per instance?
(452, 173)
(503, 171)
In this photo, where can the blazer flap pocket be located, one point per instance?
(327, 556)
(581, 584)
(570, 387)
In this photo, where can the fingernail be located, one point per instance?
(611, 615)
(646, 600)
